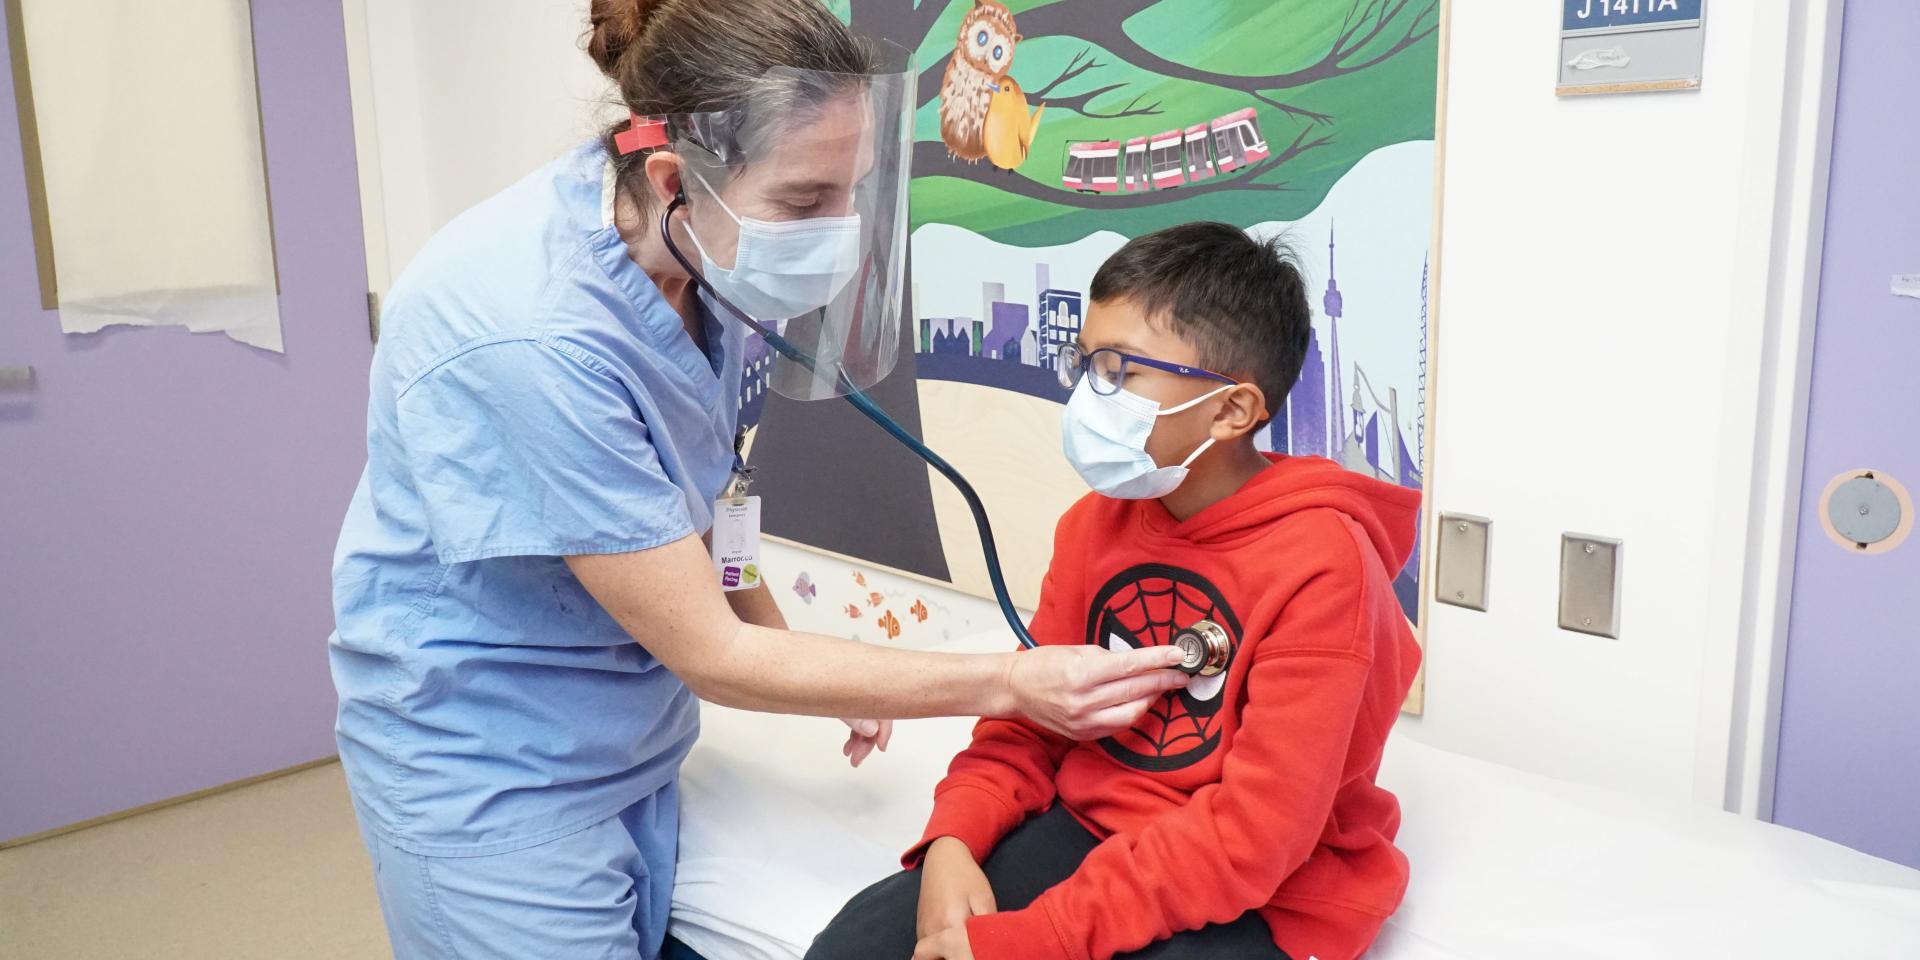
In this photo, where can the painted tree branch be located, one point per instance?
(931, 159)
(1366, 22)
(1081, 63)
(1080, 103)
(1358, 33)
(1299, 146)
(924, 17)
(861, 13)
(1311, 116)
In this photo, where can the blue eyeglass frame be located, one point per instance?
(1076, 364)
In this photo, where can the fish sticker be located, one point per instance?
(859, 578)
(805, 588)
(1596, 59)
(853, 612)
(919, 610)
(891, 624)
(875, 599)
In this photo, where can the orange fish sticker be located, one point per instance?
(853, 612)
(859, 578)
(919, 610)
(891, 624)
(874, 599)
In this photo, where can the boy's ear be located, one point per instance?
(1243, 412)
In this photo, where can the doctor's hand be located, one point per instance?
(952, 888)
(1087, 692)
(865, 736)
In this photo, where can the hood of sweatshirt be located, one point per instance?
(1387, 512)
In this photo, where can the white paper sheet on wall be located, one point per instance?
(1906, 285)
(149, 126)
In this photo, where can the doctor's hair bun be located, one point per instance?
(616, 25)
(676, 57)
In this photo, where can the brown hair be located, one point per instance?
(681, 56)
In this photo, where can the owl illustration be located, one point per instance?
(979, 65)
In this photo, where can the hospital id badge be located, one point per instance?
(736, 542)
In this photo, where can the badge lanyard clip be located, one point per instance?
(736, 491)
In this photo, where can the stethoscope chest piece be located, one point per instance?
(1205, 649)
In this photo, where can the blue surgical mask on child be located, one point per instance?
(1105, 438)
(784, 269)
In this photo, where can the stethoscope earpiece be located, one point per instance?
(1205, 649)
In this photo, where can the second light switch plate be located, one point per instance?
(1590, 585)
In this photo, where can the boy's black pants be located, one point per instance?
(879, 922)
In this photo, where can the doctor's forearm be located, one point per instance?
(670, 601)
(801, 673)
(756, 606)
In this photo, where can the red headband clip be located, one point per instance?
(642, 133)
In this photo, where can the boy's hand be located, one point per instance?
(1085, 692)
(951, 945)
(952, 888)
(864, 736)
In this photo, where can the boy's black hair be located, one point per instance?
(1241, 302)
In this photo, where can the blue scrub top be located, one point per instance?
(533, 398)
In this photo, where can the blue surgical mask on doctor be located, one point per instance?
(783, 268)
(1105, 438)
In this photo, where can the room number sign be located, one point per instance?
(1630, 46)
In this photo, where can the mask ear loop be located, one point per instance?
(1189, 405)
(1197, 451)
(1196, 401)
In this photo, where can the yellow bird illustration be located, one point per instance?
(1010, 129)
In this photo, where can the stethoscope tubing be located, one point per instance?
(863, 403)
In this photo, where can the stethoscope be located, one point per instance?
(1206, 647)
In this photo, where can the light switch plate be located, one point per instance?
(1462, 563)
(1590, 585)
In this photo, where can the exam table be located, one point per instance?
(777, 833)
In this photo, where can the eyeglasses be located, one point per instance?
(1109, 368)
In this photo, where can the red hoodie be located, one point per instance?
(1252, 790)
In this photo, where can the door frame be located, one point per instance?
(1756, 514)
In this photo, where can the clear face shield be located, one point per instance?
(792, 217)
(795, 214)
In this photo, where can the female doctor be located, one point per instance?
(526, 613)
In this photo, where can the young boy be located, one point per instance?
(1239, 817)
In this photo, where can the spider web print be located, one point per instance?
(1150, 613)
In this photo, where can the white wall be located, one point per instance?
(457, 99)
(1604, 331)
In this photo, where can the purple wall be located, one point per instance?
(1849, 763)
(168, 502)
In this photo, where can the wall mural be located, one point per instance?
(1050, 132)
